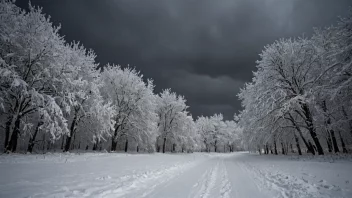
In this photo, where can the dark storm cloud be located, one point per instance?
(203, 49)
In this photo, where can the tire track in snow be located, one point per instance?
(206, 183)
(286, 185)
(200, 182)
(225, 183)
(144, 184)
(107, 186)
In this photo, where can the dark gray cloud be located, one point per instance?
(203, 49)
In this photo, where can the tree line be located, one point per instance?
(300, 98)
(54, 96)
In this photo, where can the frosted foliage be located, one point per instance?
(174, 124)
(46, 82)
(134, 102)
(30, 68)
(301, 93)
(214, 131)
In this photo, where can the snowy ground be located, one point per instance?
(173, 175)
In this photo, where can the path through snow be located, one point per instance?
(196, 175)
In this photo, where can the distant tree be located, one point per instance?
(135, 104)
(171, 110)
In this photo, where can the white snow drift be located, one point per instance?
(173, 175)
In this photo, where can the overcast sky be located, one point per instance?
(203, 49)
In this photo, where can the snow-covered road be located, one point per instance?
(172, 175)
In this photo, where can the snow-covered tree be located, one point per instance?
(45, 82)
(82, 89)
(171, 110)
(232, 135)
(135, 105)
(218, 134)
(204, 129)
(215, 132)
(185, 133)
(300, 92)
(30, 72)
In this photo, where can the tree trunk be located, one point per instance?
(291, 147)
(43, 146)
(137, 149)
(126, 145)
(62, 142)
(95, 146)
(69, 138)
(164, 145)
(312, 147)
(267, 148)
(309, 147)
(7, 132)
(73, 141)
(282, 148)
(334, 141)
(12, 146)
(297, 144)
(68, 143)
(275, 146)
(174, 147)
(31, 142)
(311, 128)
(113, 144)
(327, 125)
(346, 117)
(215, 146)
(344, 149)
(114, 139)
(329, 142)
